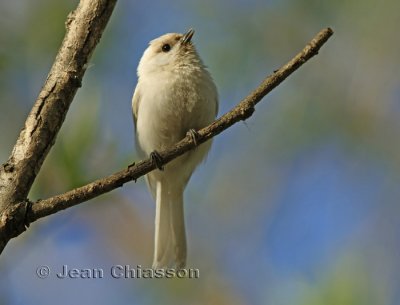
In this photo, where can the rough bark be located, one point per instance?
(84, 27)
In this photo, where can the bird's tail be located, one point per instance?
(170, 239)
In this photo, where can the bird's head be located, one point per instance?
(168, 52)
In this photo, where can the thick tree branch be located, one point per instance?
(84, 28)
(14, 217)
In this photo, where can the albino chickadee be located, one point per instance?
(175, 94)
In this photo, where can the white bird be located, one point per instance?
(175, 94)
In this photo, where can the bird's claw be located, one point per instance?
(194, 135)
(157, 160)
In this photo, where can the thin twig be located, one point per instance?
(240, 112)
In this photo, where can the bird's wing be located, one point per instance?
(135, 104)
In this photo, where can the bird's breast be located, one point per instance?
(170, 105)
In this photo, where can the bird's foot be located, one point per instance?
(194, 135)
(157, 160)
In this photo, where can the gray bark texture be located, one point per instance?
(84, 27)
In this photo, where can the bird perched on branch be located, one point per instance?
(175, 95)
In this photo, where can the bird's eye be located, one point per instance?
(166, 47)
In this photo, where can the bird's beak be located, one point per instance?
(187, 37)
